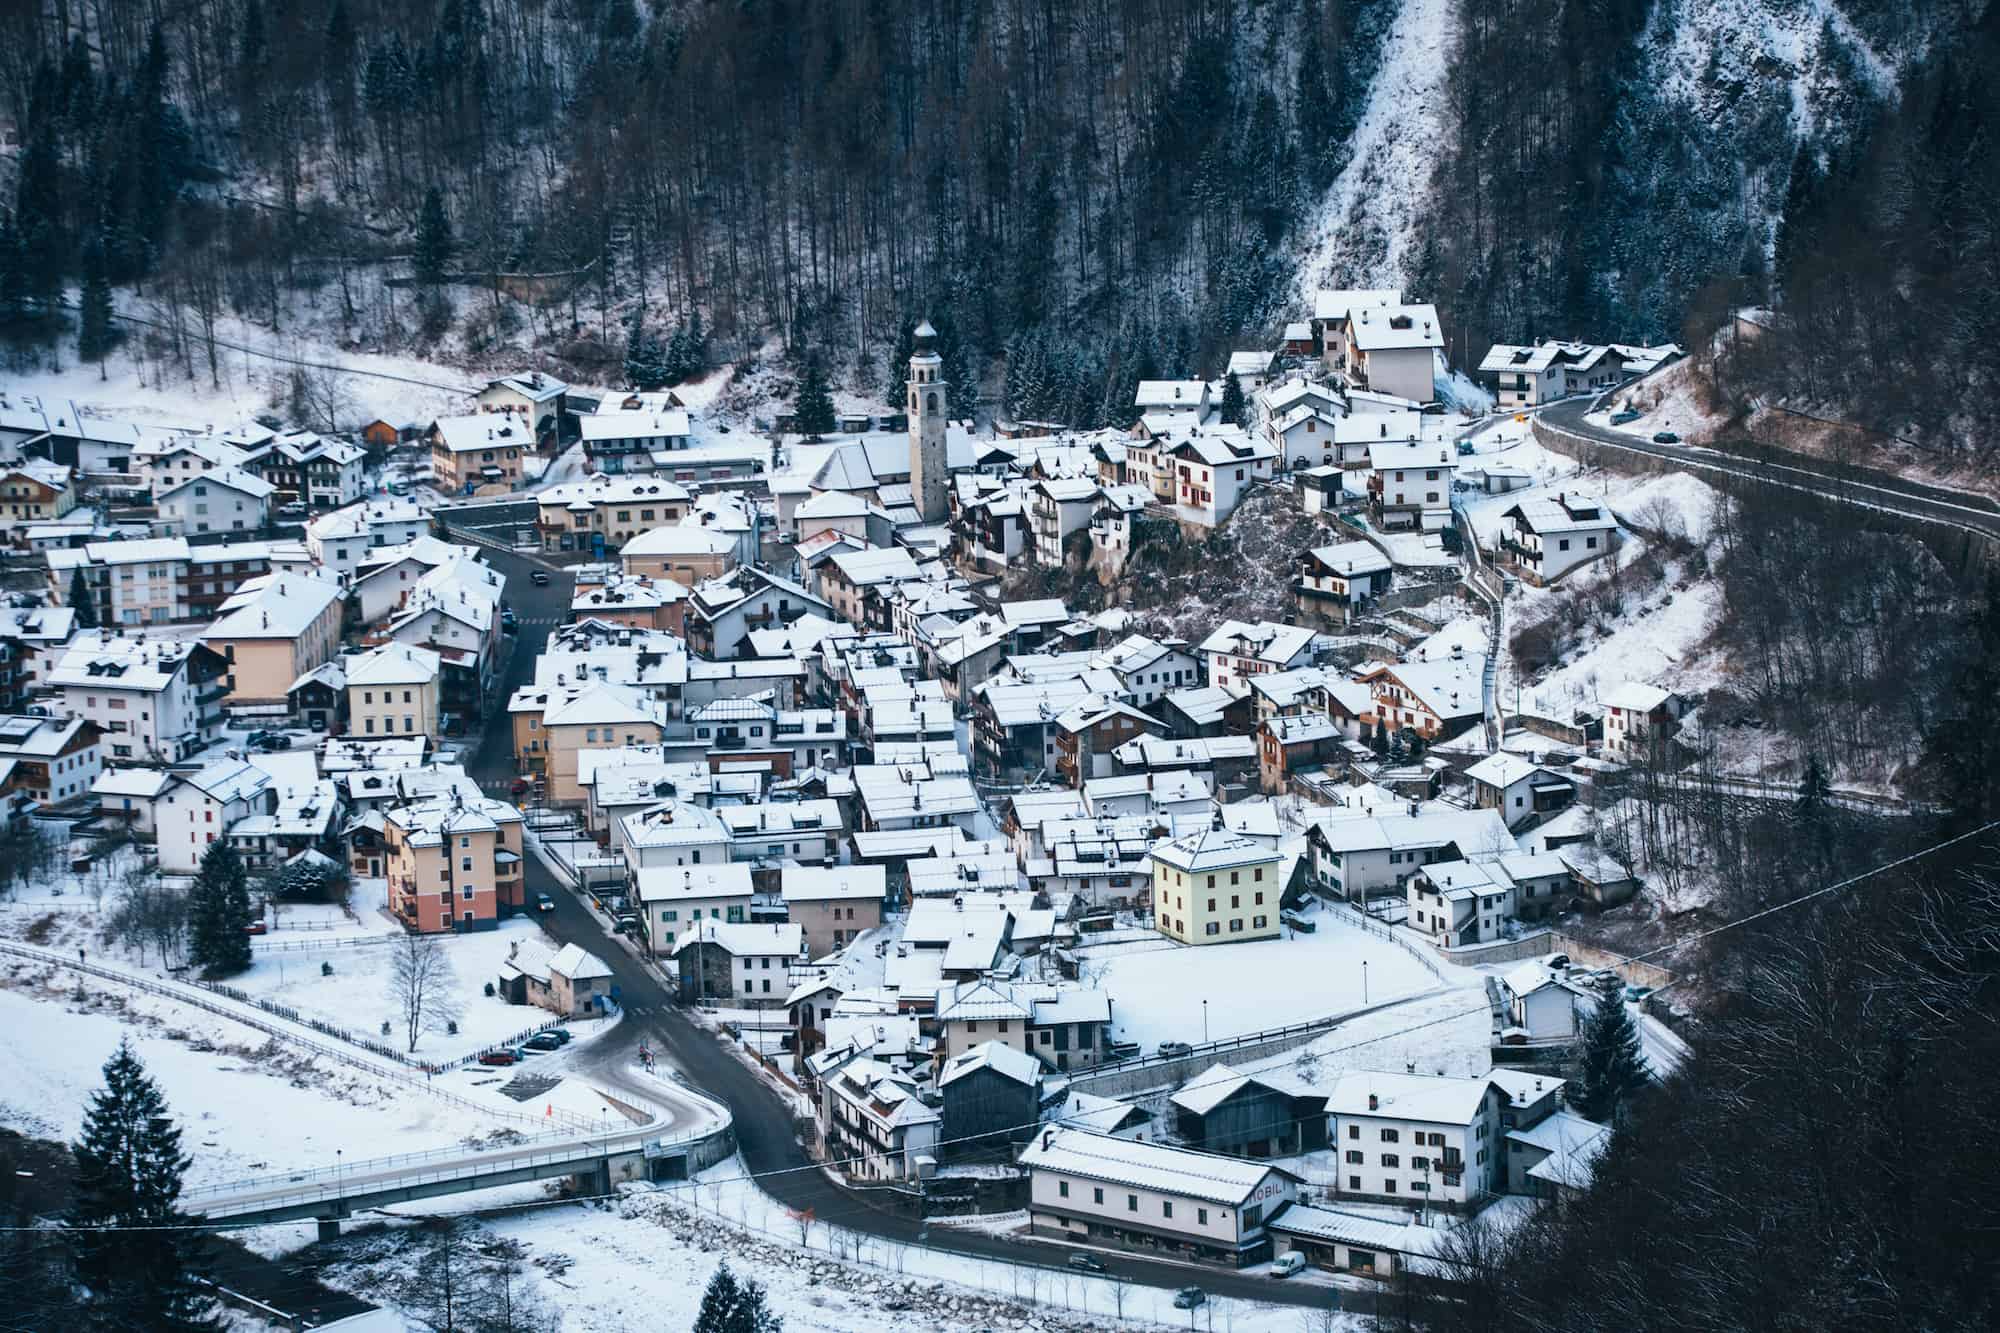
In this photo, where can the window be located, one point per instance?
(1062, 1189)
(1354, 1131)
(1390, 1159)
(1257, 923)
(1388, 1136)
(1166, 1208)
(1131, 1203)
(1212, 928)
(1236, 925)
(465, 863)
(1354, 1182)
(1354, 1158)
(1562, 544)
(1097, 1195)
(1388, 1187)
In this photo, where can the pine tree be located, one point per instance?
(1962, 751)
(218, 909)
(732, 1306)
(813, 411)
(1232, 401)
(129, 1166)
(434, 243)
(645, 364)
(80, 602)
(1611, 1068)
(94, 334)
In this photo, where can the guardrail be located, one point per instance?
(185, 993)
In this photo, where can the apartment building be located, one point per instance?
(197, 809)
(272, 633)
(600, 513)
(1423, 1139)
(223, 500)
(393, 691)
(1216, 887)
(158, 702)
(1105, 1190)
(482, 452)
(833, 904)
(676, 899)
(35, 490)
(453, 862)
(51, 760)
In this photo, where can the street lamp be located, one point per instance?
(1204, 1022)
(339, 1173)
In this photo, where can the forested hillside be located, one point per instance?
(1106, 187)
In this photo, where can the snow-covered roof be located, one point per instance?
(659, 884)
(743, 939)
(1339, 302)
(1212, 849)
(800, 884)
(1395, 327)
(1177, 1171)
(1007, 1061)
(1352, 559)
(393, 664)
(578, 964)
(284, 608)
(1433, 1099)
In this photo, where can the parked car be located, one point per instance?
(509, 621)
(520, 786)
(1187, 1298)
(1121, 1050)
(543, 1041)
(1172, 1048)
(522, 1051)
(1665, 437)
(503, 1056)
(1620, 418)
(1634, 994)
(561, 1035)
(256, 928)
(1288, 1264)
(539, 578)
(1087, 1263)
(627, 925)
(544, 903)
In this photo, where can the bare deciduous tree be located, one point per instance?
(421, 983)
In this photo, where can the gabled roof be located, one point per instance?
(1005, 1060)
(1177, 1171)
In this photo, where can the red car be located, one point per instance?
(520, 785)
(497, 1057)
(256, 928)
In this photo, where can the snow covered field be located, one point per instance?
(1159, 991)
(646, 1260)
(357, 995)
(246, 1105)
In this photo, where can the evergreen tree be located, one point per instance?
(79, 600)
(1962, 751)
(1232, 401)
(218, 909)
(434, 243)
(94, 335)
(129, 1166)
(732, 1306)
(1611, 1068)
(645, 364)
(813, 410)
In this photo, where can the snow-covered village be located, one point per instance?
(571, 772)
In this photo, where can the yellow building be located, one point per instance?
(1215, 887)
(393, 691)
(601, 718)
(273, 631)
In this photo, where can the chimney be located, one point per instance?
(1048, 1137)
(1374, 1102)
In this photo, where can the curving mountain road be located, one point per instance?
(1840, 483)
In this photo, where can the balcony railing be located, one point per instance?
(730, 742)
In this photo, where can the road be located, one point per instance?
(1840, 483)
(764, 1134)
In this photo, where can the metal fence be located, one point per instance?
(197, 996)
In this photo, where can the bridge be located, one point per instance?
(690, 1132)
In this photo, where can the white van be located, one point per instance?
(1287, 1264)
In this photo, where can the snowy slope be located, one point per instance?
(1372, 212)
